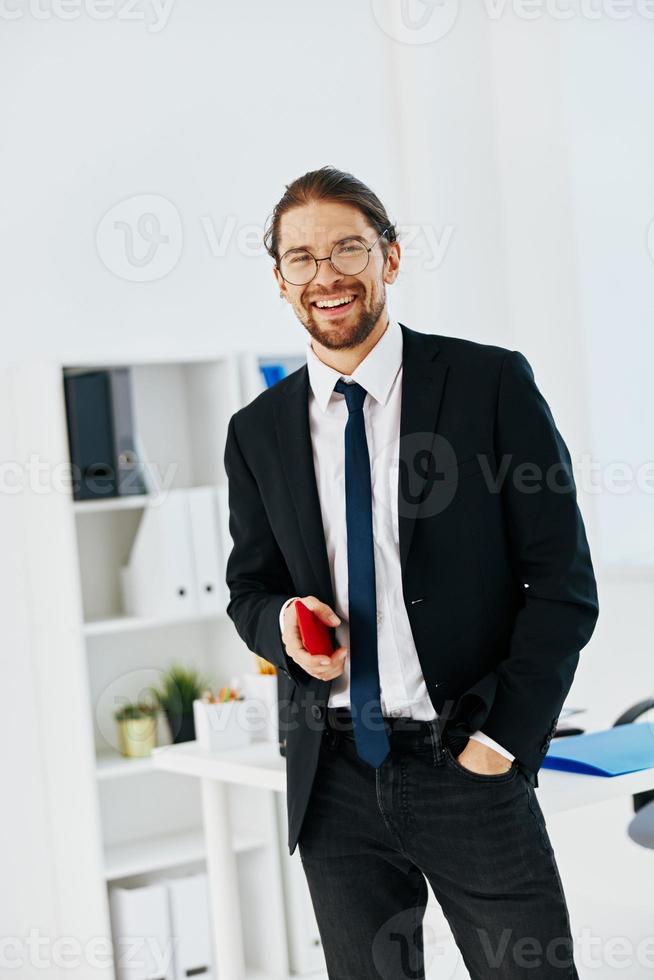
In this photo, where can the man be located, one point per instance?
(413, 490)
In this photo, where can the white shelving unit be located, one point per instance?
(128, 624)
(117, 820)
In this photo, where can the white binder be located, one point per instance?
(160, 578)
(143, 946)
(226, 540)
(190, 926)
(203, 520)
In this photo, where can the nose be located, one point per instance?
(326, 274)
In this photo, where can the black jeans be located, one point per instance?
(371, 836)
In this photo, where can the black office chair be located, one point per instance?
(641, 828)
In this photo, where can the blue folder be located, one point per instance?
(272, 373)
(619, 750)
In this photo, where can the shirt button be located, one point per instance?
(379, 619)
(396, 712)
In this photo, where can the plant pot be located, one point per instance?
(137, 736)
(182, 727)
(224, 725)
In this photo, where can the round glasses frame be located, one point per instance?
(329, 258)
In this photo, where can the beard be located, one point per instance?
(336, 337)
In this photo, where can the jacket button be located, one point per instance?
(316, 711)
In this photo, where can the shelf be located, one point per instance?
(114, 503)
(112, 765)
(166, 851)
(258, 764)
(182, 410)
(128, 624)
(109, 504)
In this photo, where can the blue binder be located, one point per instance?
(614, 752)
(272, 373)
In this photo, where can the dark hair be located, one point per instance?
(330, 184)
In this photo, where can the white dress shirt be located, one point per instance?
(402, 685)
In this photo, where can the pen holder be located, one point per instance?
(222, 725)
(260, 691)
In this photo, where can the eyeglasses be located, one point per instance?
(349, 257)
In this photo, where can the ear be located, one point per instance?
(280, 283)
(392, 263)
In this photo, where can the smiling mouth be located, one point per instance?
(336, 305)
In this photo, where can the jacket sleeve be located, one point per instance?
(551, 559)
(257, 576)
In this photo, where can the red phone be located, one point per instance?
(314, 634)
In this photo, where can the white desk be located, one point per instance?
(260, 765)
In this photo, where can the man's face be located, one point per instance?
(317, 227)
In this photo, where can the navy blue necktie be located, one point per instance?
(370, 733)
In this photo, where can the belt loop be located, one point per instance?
(436, 742)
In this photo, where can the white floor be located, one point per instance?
(609, 881)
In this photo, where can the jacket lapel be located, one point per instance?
(423, 379)
(423, 382)
(296, 454)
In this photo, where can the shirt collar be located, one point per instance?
(376, 372)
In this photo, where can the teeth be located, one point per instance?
(327, 304)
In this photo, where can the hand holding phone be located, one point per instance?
(309, 638)
(315, 635)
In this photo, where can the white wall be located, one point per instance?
(215, 113)
(612, 157)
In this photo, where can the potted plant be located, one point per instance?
(221, 720)
(137, 728)
(180, 687)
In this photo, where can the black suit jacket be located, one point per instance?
(497, 577)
